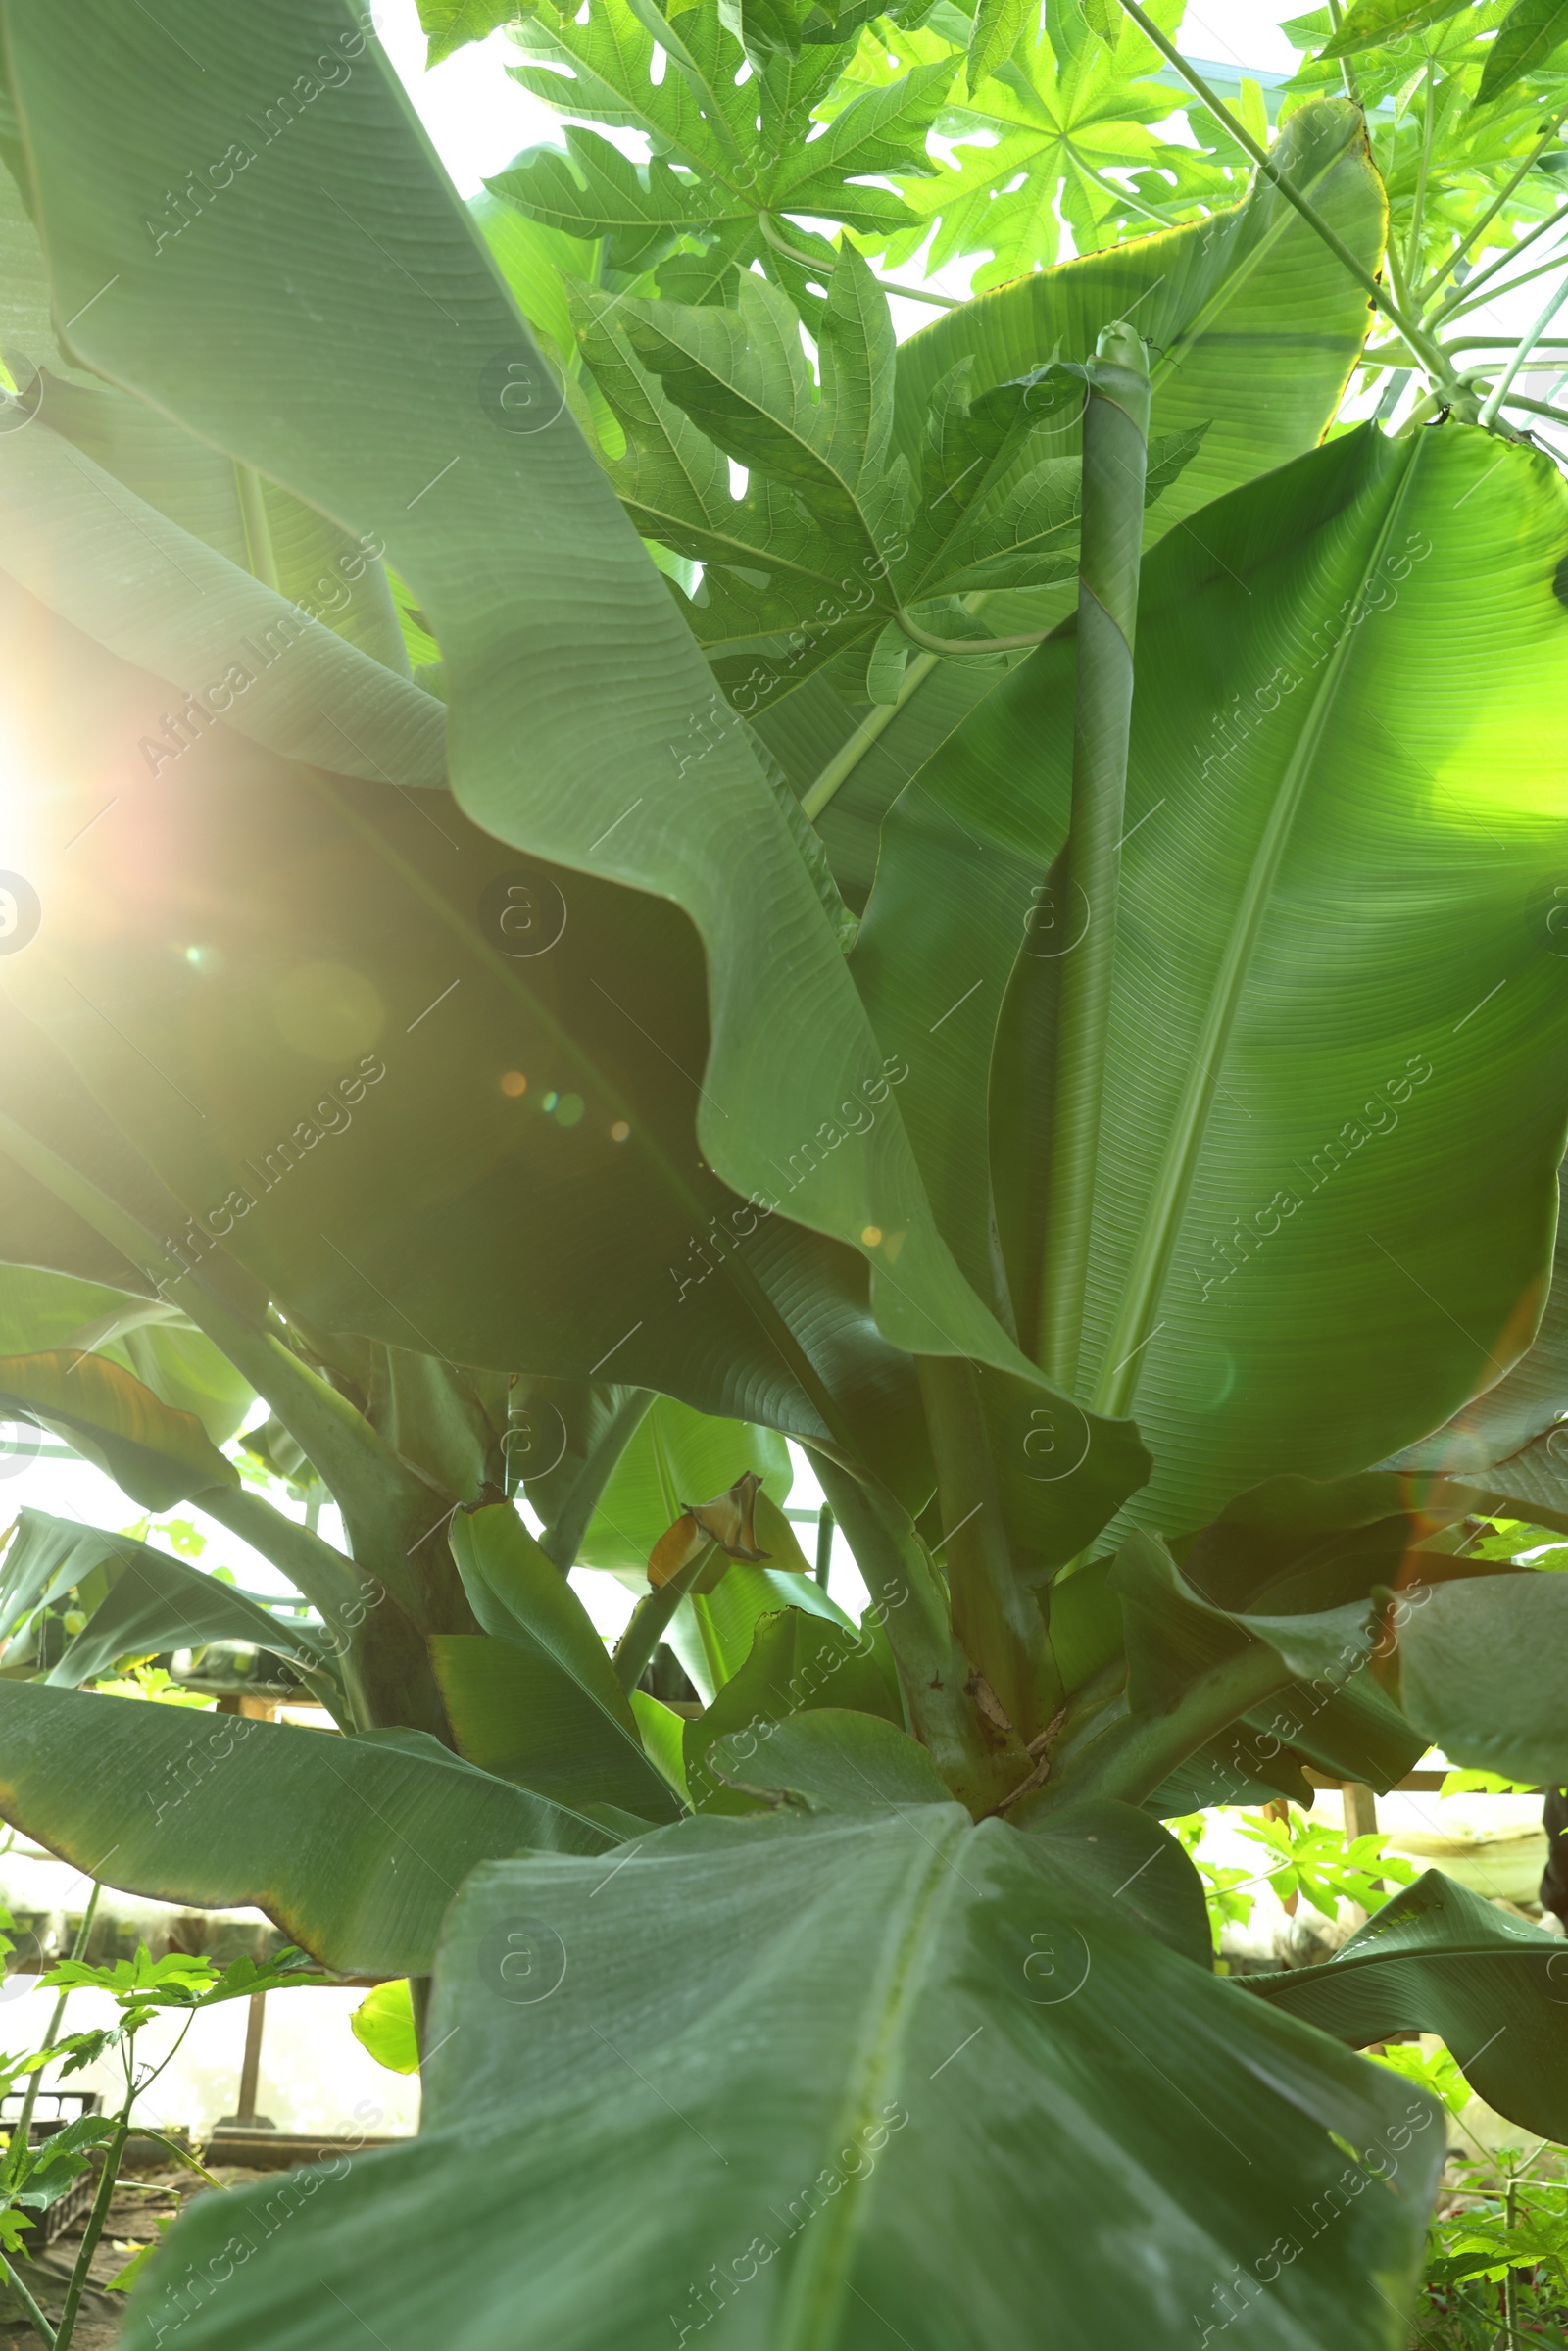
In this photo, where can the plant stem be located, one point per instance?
(997, 1621)
(645, 1624)
(22, 2129)
(1539, 408)
(948, 645)
(1504, 343)
(932, 1669)
(8, 2277)
(1500, 393)
(1116, 459)
(1135, 1754)
(1352, 88)
(1432, 284)
(258, 530)
(1553, 260)
(1463, 297)
(1412, 250)
(842, 765)
(946, 302)
(824, 1544)
(96, 2220)
(1430, 354)
(805, 260)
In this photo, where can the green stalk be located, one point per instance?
(1432, 284)
(941, 302)
(1463, 297)
(824, 1544)
(385, 1663)
(1352, 88)
(1539, 408)
(319, 1571)
(1431, 353)
(948, 647)
(1138, 1752)
(997, 1621)
(1504, 343)
(646, 1625)
(258, 530)
(1504, 385)
(1412, 250)
(1116, 459)
(932, 1669)
(23, 2124)
(8, 2277)
(96, 2220)
(842, 765)
(1462, 310)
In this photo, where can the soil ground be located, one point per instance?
(132, 2218)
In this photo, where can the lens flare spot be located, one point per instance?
(513, 1083)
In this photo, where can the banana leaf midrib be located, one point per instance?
(1145, 1279)
(1332, 1971)
(817, 2289)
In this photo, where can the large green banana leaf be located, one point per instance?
(251, 522)
(1499, 1425)
(1480, 1670)
(362, 372)
(158, 1455)
(42, 1311)
(852, 2081)
(137, 1600)
(1325, 1107)
(563, 1438)
(534, 1697)
(354, 1847)
(364, 1151)
(119, 568)
(1438, 1958)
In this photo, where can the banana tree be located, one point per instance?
(1114, 1210)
